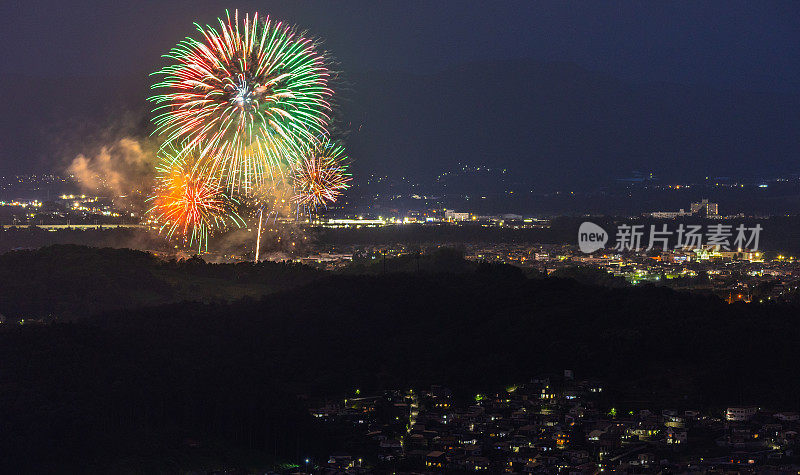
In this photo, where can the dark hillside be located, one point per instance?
(138, 384)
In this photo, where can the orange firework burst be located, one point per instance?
(319, 177)
(190, 203)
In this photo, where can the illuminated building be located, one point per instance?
(669, 214)
(739, 414)
(704, 207)
(450, 215)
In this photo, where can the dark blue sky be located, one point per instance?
(752, 46)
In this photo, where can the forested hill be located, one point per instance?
(486, 328)
(65, 282)
(133, 385)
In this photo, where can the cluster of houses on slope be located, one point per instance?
(551, 425)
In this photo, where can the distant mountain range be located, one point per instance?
(554, 125)
(562, 126)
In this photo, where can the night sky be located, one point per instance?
(69, 69)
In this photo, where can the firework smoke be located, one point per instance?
(124, 169)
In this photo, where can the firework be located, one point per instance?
(274, 196)
(189, 203)
(250, 94)
(319, 176)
